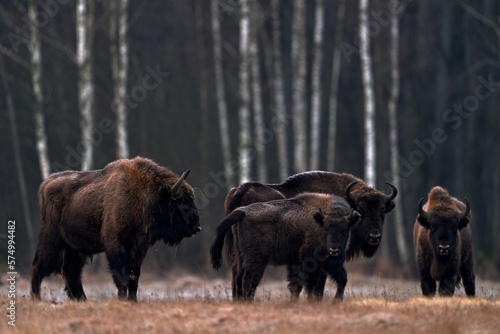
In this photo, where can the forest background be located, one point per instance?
(400, 91)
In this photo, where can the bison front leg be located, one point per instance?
(136, 258)
(427, 283)
(341, 278)
(295, 280)
(120, 271)
(71, 272)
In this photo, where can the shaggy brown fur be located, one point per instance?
(121, 209)
(371, 203)
(288, 232)
(443, 244)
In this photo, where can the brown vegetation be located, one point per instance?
(371, 305)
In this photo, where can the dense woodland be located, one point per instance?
(256, 90)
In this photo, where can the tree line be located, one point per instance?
(398, 91)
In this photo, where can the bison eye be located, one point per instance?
(433, 228)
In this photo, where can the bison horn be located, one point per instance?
(350, 197)
(177, 184)
(464, 213)
(394, 192)
(421, 211)
(322, 213)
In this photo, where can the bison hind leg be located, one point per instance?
(251, 278)
(447, 287)
(71, 272)
(44, 263)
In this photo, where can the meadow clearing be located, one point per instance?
(190, 304)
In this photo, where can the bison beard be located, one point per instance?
(443, 244)
(122, 210)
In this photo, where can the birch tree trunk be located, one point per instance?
(279, 94)
(334, 90)
(36, 78)
(244, 109)
(204, 116)
(368, 94)
(299, 87)
(258, 114)
(85, 87)
(316, 86)
(220, 91)
(393, 140)
(119, 66)
(17, 153)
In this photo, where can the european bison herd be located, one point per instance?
(311, 223)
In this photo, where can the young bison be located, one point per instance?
(443, 244)
(122, 210)
(293, 232)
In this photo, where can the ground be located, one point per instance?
(188, 304)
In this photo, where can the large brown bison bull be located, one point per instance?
(443, 244)
(293, 232)
(121, 210)
(369, 202)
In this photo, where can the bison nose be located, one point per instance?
(197, 229)
(334, 251)
(374, 238)
(443, 249)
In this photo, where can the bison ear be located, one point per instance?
(320, 217)
(164, 192)
(423, 221)
(353, 217)
(389, 206)
(463, 223)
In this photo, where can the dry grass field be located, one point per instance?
(194, 305)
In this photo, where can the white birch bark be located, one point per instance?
(393, 139)
(119, 60)
(258, 114)
(244, 108)
(36, 78)
(368, 94)
(279, 95)
(299, 87)
(316, 86)
(334, 90)
(85, 87)
(220, 91)
(17, 153)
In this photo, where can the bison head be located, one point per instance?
(175, 215)
(372, 205)
(337, 231)
(443, 227)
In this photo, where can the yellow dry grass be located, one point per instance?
(190, 304)
(358, 315)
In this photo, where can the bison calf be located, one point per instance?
(443, 244)
(293, 232)
(122, 210)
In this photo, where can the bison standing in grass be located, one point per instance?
(122, 210)
(443, 244)
(372, 204)
(293, 232)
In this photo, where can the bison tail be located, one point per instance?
(218, 244)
